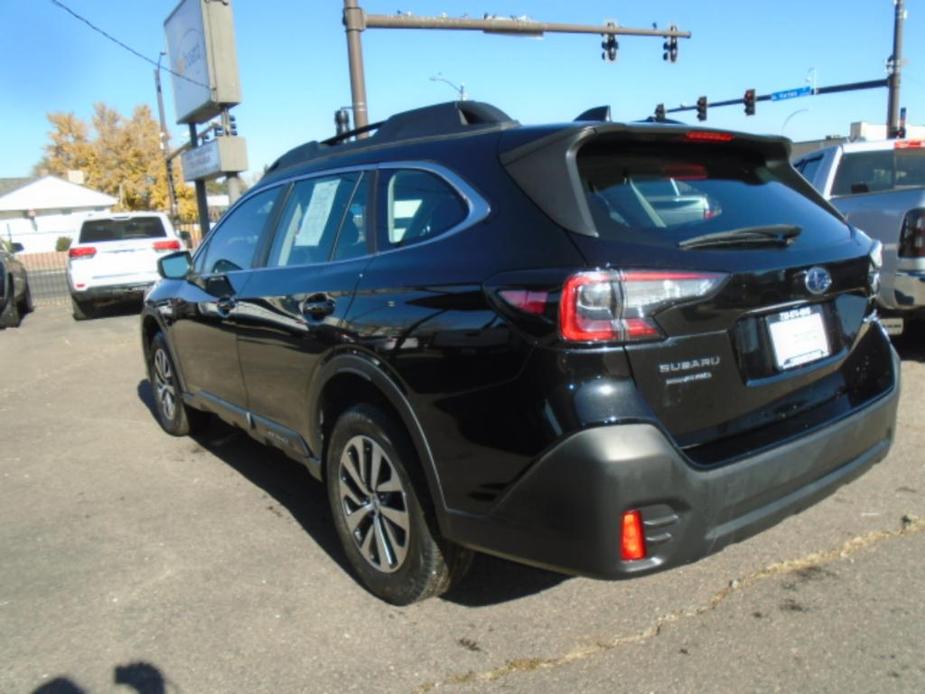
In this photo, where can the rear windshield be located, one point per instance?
(870, 172)
(98, 230)
(652, 194)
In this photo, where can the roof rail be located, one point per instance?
(601, 113)
(448, 118)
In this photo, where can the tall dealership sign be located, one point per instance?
(201, 48)
(204, 70)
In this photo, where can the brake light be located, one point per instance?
(912, 236)
(632, 540)
(708, 136)
(619, 305)
(173, 245)
(81, 252)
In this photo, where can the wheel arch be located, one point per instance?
(350, 379)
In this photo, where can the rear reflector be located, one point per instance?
(708, 136)
(173, 245)
(81, 252)
(632, 541)
(619, 305)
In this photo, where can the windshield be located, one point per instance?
(869, 172)
(99, 230)
(652, 194)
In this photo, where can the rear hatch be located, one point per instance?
(744, 304)
(120, 249)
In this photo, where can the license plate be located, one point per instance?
(798, 337)
(893, 326)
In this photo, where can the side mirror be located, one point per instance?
(16, 247)
(175, 266)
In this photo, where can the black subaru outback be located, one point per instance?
(606, 349)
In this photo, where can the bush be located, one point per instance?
(63, 243)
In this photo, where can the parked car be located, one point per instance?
(880, 187)
(115, 258)
(15, 294)
(483, 336)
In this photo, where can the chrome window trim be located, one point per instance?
(478, 207)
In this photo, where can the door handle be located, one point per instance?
(317, 306)
(225, 305)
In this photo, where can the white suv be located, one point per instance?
(115, 257)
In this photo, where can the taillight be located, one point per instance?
(173, 245)
(912, 236)
(81, 252)
(619, 305)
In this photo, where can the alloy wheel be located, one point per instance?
(374, 504)
(164, 386)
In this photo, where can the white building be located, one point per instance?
(37, 211)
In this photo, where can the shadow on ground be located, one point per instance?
(490, 581)
(142, 677)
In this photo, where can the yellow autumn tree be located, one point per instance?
(123, 158)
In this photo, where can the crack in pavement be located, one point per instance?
(909, 525)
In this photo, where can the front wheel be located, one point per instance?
(174, 416)
(382, 511)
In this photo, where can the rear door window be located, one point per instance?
(659, 195)
(310, 222)
(102, 230)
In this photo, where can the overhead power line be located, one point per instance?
(125, 46)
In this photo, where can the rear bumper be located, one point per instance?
(113, 291)
(564, 513)
(909, 289)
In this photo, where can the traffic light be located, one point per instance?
(660, 112)
(670, 47)
(232, 124)
(749, 100)
(702, 108)
(610, 46)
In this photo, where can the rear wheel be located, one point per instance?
(27, 305)
(81, 309)
(383, 513)
(174, 416)
(10, 316)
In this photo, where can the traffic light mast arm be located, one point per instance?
(356, 21)
(508, 25)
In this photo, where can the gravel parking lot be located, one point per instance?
(132, 560)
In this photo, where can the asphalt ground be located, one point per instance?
(134, 561)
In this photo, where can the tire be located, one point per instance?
(174, 416)
(10, 316)
(81, 310)
(387, 527)
(28, 305)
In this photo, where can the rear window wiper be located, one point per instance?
(772, 234)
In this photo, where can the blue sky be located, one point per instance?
(293, 63)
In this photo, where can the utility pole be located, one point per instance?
(894, 69)
(165, 141)
(356, 21)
